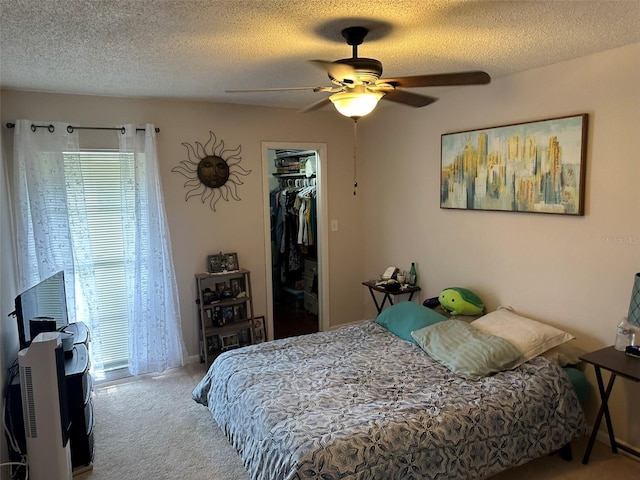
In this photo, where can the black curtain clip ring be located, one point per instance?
(69, 129)
(51, 128)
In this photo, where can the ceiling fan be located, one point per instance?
(357, 87)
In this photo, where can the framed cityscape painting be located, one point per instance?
(533, 167)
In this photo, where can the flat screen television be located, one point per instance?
(45, 299)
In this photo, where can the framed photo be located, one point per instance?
(533, 167)
(259, 330)
(208, 318)
(215, 264)
(218, 318)
(238, 313)
(222, 262)
(244, 337)
(227, 314)
(223, 290)
(232, 262)
(221, 287)
(213, 345)
(236, 286)
(229, 341)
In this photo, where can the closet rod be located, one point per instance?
(71, 128)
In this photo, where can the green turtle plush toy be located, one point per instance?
(460, 301)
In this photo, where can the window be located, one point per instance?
(103, 173)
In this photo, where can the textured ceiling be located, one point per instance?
(197, 49)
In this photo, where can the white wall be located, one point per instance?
(196, 231)
(575, 273)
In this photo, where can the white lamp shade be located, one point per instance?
(355, 104)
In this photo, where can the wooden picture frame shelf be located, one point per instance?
(225, 311)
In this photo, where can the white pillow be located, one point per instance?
(531, 337)
(565, 354)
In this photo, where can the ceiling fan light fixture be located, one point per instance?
(355, 104)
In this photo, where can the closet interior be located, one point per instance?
(294, 245)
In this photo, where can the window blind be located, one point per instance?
(103, 174)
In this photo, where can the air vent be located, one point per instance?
(28, 403)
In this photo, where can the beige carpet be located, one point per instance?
(149, 428)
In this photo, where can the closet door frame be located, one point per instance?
(322, 214)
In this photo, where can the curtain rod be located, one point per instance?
(71, 128)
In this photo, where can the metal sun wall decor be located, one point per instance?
(212, 171)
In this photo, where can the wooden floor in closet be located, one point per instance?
(291, 321)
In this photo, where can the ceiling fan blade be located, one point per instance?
(277, 89)
(408, 98)
(440, 80)
(315, 106)
(342, 72)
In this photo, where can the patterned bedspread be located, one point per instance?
(359, 403)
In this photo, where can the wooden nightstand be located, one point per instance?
(618, 364)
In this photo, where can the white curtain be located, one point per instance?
(51, 229)
(52, 234)
(155, 333)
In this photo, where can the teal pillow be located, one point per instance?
(466, 350)
(579, 382)
(405, 317)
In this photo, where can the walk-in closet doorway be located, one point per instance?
(296, 238)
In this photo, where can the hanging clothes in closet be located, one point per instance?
(293, 226)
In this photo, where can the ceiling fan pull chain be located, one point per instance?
(355, 156)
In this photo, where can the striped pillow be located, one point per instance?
(465, 350)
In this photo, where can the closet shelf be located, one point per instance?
(292, 175)
(296, 154)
